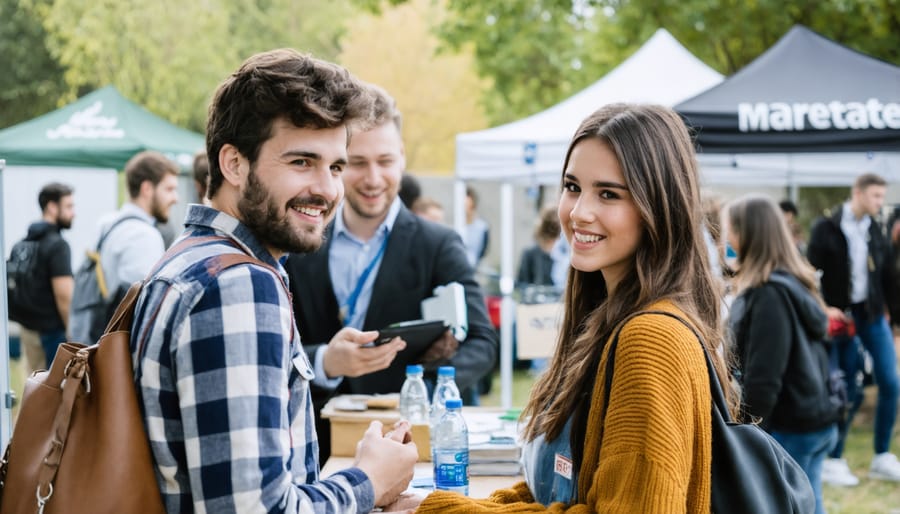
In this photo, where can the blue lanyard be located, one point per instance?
(349, 308)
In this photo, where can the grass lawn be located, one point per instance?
(870, 497)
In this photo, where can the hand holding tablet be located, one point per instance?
(418, 334)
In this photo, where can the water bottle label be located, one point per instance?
(451, 470)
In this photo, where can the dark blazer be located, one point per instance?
(420, 256)
(827, 252)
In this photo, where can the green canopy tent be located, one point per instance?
(100, 130)
(83, 144)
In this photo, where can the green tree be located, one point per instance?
(728, 34)
(169, 55)
(437, 92)
(165, 55)
(538, 52)
(31, 81)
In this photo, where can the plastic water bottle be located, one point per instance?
(450, 451)
(414, 396)
(444, 390)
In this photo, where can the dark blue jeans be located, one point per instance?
(51, 341)
(809, 449)
(876, 337)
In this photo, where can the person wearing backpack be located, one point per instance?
(630, 210)
(39, 274)
(778, 322)
(222, 378)
(129, 244)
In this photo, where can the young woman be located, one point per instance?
(630, 210)
(778, 322)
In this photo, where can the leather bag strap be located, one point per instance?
(76, 375)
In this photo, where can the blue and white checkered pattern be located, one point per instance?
(224, 386)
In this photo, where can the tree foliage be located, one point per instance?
(538, 52)
(438, 93)
(31, 80)
(169, 55)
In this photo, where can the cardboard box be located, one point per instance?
(348, 427)
(537, 327)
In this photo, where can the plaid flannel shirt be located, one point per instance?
(224, 385)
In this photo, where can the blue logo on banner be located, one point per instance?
(529, 152)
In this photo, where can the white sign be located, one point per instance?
(537, 327)
(88, 124)
(783, 116)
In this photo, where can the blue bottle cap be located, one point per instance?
(413, 368)
(454, 403)
(444, 371)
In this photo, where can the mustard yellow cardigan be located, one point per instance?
(657, 443)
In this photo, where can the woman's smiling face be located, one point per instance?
(598, 215)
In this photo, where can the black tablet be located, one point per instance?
(418, 334)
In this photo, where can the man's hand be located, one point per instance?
(442, 349)
(388, 460)
(405, 503)
(346, 357)
(835, 313)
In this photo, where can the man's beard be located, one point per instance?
(63, 222)
(159, 213)
(261, 215)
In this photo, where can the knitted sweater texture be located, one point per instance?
(656, 451)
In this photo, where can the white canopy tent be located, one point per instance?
(661, 71)
(532, 150)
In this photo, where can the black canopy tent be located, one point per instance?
(807, 112)
(805, 94)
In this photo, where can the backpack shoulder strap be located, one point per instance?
(718, 396)
(115, 224)
(124, 314)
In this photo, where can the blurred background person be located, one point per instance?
(428, 208)
(790, 213)
(477, 232)
(853, 256)
(536, 263)
(201, 176)
(535, 278)
(40, 279)
(410, 189)
(778, 322)
(131, 241)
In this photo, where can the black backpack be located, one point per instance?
(751, 472)
(23, 297)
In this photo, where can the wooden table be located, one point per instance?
(479, 486)
(347, 428)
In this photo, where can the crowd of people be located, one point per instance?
(304, 172)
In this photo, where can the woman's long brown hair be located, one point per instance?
(655, 153)
(765, 245)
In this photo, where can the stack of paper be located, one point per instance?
(494, 446)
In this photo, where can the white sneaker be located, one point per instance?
(885, 467)
(837, 472)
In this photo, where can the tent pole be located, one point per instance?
(7, 397)
(459, 208)
(793, 190)
(507, 306)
